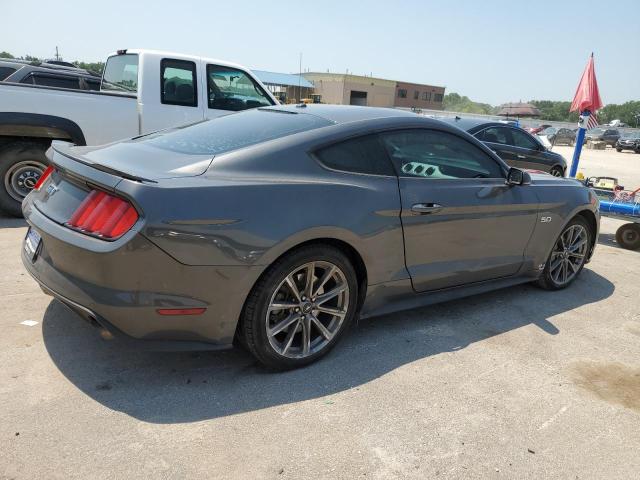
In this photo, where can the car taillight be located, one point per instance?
(103, 215)
(47, 172)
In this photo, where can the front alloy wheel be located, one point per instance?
(568, 256)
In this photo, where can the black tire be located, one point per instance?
(20, 167)
(546, 280)
(628, 236)
(253, 323)
(618, 150)
(557, 171)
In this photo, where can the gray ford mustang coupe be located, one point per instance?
(275, 227)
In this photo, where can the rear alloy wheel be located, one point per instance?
(300, 308)
(568, 256)
(21, 166)
(628, 236)
(557, 172)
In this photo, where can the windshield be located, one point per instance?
(632, 135)
(121, 74)
(596, 131)
(231, 132)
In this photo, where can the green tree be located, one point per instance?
(6, 55)
(455, 102)
(95, 67)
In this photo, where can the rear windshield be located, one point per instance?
(234, 131)
(121, 74)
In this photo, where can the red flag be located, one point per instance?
(587, 96)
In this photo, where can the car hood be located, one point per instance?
(139, 159)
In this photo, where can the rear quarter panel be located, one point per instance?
(235, 215)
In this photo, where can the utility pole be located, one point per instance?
(57, 54)
(300, 80)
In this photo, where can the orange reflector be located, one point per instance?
(180, 311)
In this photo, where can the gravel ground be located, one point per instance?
(606, 163)
(518, 383)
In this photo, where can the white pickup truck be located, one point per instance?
(142, 91)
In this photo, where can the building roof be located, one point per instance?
(284, 79)
(518, 109)
(351, 76)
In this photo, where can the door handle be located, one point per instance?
(521, 156)
(425, 208)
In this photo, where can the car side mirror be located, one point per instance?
(515, 176)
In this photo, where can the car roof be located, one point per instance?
(343, 113)
(472, 124)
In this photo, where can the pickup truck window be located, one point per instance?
(121, 74)
(232, 89)
(178, 84)
(59, 81)
(5, 72)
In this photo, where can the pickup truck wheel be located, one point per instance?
(21, 165)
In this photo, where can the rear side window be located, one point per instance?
(498, 135)
(432, 154)
(178, 83)
(5, 72)
(357, 155)
(92, 84)
(121, 74)
(54, 81)
(232, 89)
(231, 132)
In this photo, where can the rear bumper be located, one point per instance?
(121, 287)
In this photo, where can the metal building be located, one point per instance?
(288, 88)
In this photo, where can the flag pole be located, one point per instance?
(582, 124)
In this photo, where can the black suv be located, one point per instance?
(515, 146)
(608, 135)
(629, 141)
(48, 74)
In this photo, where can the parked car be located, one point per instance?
(277, 226)
(515, 146)
(49, 75)
(538, 129)
(560, 136)
(141, 91)
(608, 135)
(629, 141)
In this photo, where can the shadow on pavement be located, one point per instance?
(11, 222)
(186, 387)
(609, 239)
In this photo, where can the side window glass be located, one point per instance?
(179, 84)
(57, 81)
(438, 155)
(121, 74)
(232, 89)
(5, 72)
(522, 140)
(496, 135)
(357, 155)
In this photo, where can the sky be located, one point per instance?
(492, 51)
